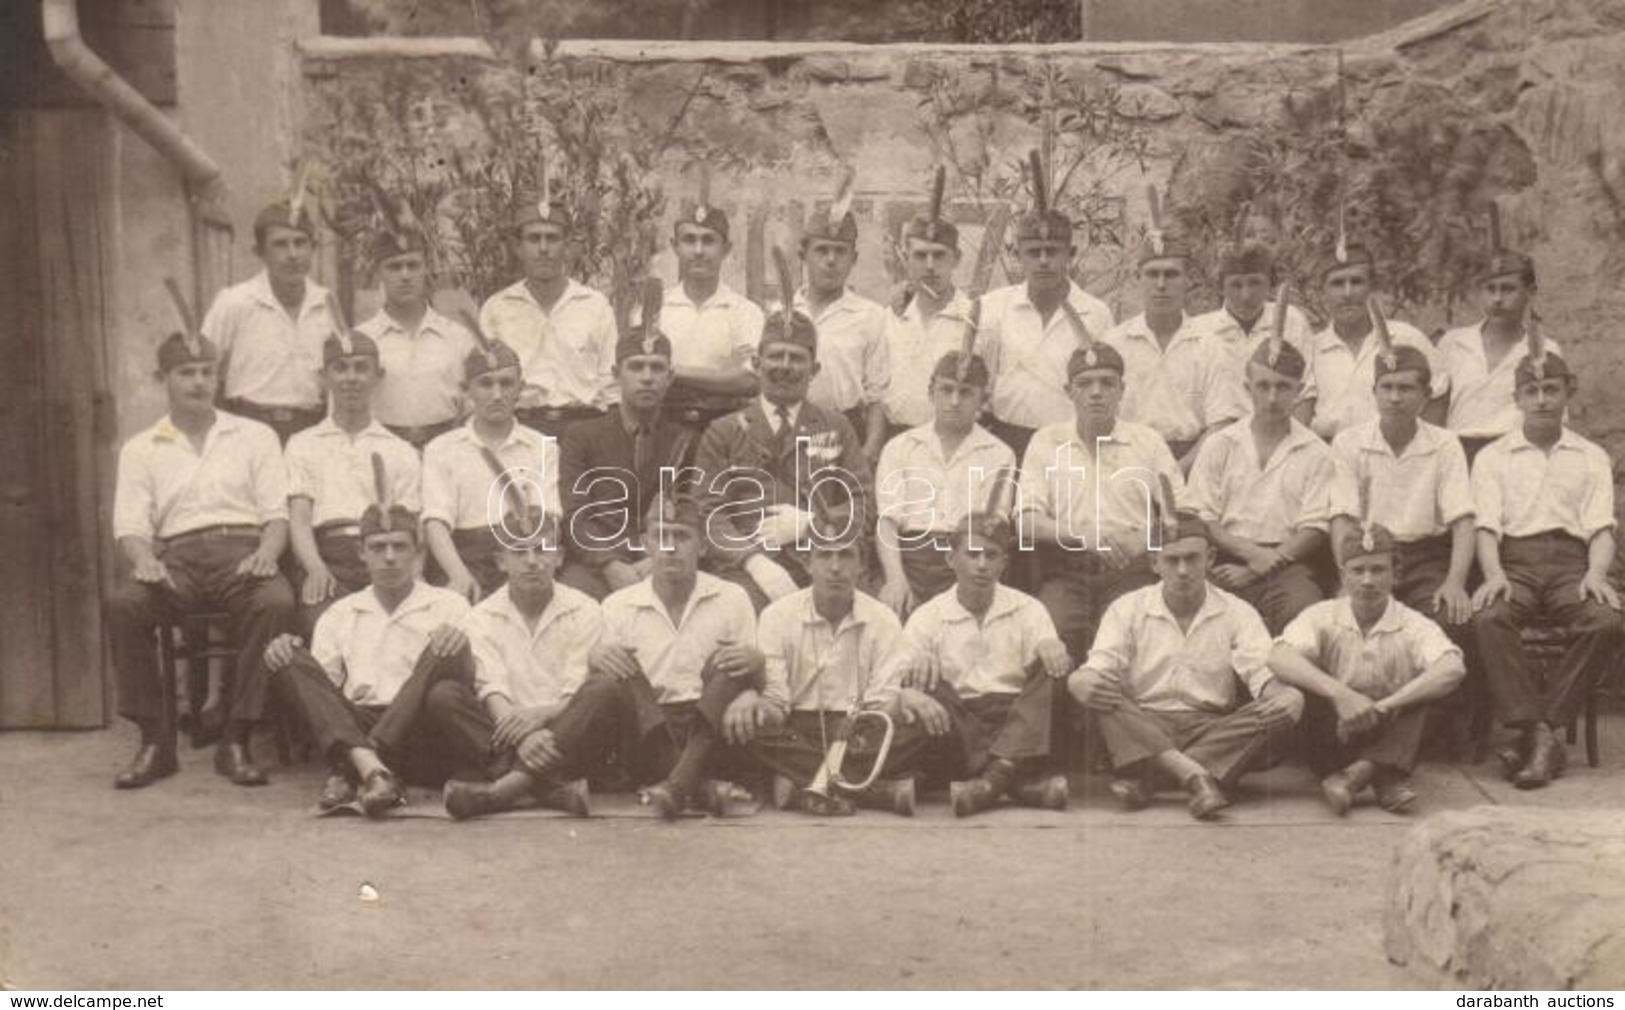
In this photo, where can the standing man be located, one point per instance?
(563, 331)
(1263, 485)
(713, 329)
(1545, 507)
(200, 513)
(1342, 357)
(1029, 330)
(931, 477)
(931, 318)
(1368, 666)
(1234, 330)
(1409, 477)
(462, 488)
(1480, 361)
(420, 351)
(332, 476)
(270, 328)
(979, 668)
(1165, 677)
(611, 468)
(386, 685)
(682, 645)
(1172, 383)
(1086, 492)
(759, 467)
(531, 640)
(854, 370)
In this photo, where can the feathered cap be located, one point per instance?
(544, 204)
(1392, 357)
(965, 365)
(1346, 253)
(672, 508)
(1173, 523)
(292, 211)
(398, 232)
(993, 521)
(344, 342)
(1090, 353)
(1239, 256)
(1540, 363)
(701, 211)
(1043, 223)
(188, 344)
(931, 226)
(644, 337)
(488, 355)
(836, 223)
(787, 324)
(1159, 243)
(384, 515)
(1275, 353)
(1504, 262)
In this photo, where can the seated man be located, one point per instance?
(531, 639)
(200, 512)
(1367, 666)
(610, 468)
(460, 513)
(828, 651)
(1262, 485)
(1087, 486)
(1166, 677)
(979, 666)
(387, 683)
(1545, 506)
(927, 480)
(1409, 477)
(760, 466)
(682, 644)
(332, 477)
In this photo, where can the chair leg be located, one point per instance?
(168, 683)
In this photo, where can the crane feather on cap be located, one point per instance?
(188, 319)
(787, 290)
(380, 489)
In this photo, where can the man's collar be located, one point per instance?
(643, 595)
(520, 291)
(770, 410)
(1214, 601)
(1388, 623)
(723, 297)
(1004, 601)
(1516, 439)
(260, 287)
(367, 600)
(562, 602)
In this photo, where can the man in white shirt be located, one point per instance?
(386, 685)
(1367, 666)
(1179, 684)
(200, 513)
(1545, 513)
(553, 724)
(270, 328)
(420, 351)
(979, 667)
(713, 328)
(682, 645)
(930, 321)
(563, 331)
(1233, 331)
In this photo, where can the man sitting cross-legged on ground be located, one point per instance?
(531, 639)
(979, 663)
(1164, 681)
(386, 685)
(828, 651)
(682, 644)
(1367, 665)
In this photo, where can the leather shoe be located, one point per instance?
(570, 797)
(895, 795)
(1396, 796)
(1339, 796)
(667, 799)
(1546, 761)
(1130, 793)
(1207, 798)
(820, 805)
(337, 791)
(972, 796)
(471, 799)
(151, 763)
(380, 793)
(1048, 793)
(784, 793)
(232, 761)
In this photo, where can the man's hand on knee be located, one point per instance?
(1277, 700)
(447, 640)
(1596, 587)
(1494, 589)
(745, 718)
(150, 571)
(615, 660)
(739, 661)
(279, 655)
(918, 708)
(539, 752)
(1096, 690)
(1054, 656)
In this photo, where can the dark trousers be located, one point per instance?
(1015, 727)
(1393, 744)
(478, 550)
(1078, 586)
(285, 421)
(1227, 744)
(653, 735)
(1014, 435)
(1282, 595)
(203, 569)
(433, 729)
(1545, 573)
(584, 732)
(1420, 567)
(797, 749)
(420, 435)
(341, 553)
(926, 568)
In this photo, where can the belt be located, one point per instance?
(423, 432)
(562, 413)
(1549, 536)
(213, 533)
(280, 415)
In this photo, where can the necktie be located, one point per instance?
(784, 432)
(640, 450)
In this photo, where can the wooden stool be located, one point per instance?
(191, 643)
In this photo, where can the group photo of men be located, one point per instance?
(836, 553)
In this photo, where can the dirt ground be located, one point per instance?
(194, 883)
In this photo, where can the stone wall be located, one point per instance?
(1539, 82)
